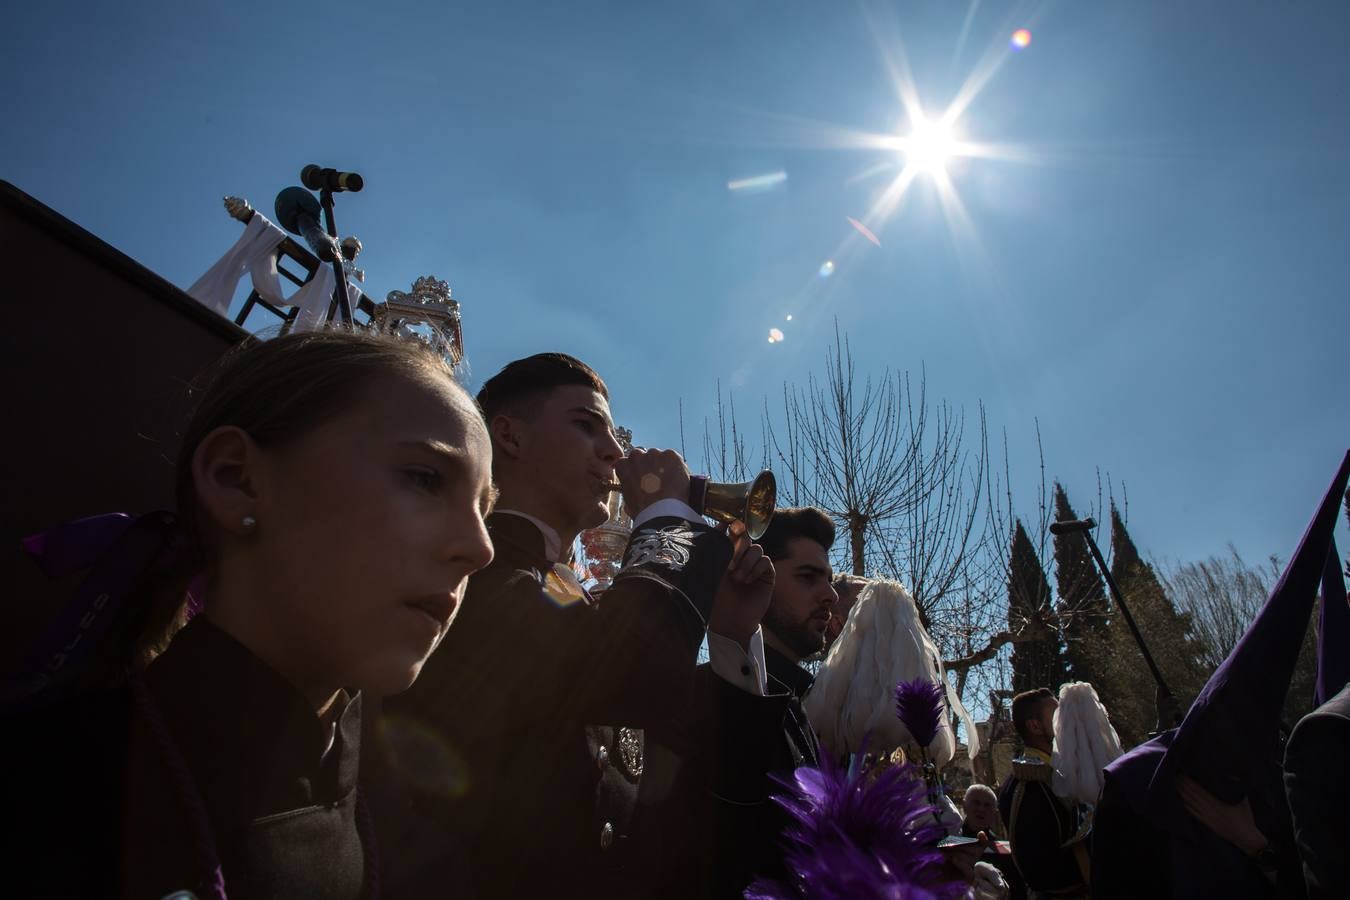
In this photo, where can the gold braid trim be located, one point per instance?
(1028, 768)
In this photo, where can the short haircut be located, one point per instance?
(521, 384)
(846, 579)
(795, 522)
(1027, 706)
(984, 789)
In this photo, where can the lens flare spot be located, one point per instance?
(826, 268)
(757, 183)
(1021, 39)
(420, 755)
(863, 230)
(789, 317)
(775, 336)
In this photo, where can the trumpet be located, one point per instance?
(751, 502)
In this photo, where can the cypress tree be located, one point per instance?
(1082, 601)
(1167, 632)
(1037, 663)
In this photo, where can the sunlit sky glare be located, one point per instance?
(1138, 236)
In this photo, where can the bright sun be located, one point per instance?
(929, 146)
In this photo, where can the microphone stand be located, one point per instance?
(1164, 701)
(340, 302)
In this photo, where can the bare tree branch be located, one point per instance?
(1033, 632)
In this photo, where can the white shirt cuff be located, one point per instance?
(732, 663)
(667, 507)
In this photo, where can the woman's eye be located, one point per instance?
(586, 425)
(428, 480)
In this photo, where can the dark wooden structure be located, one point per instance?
(98, 354)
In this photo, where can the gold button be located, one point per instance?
(606, 836)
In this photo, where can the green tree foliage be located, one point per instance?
(1167, 632)
(1039, 662)
(1083, 608)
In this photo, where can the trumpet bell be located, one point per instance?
(750, 502)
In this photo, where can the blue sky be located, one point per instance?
(1162, 285)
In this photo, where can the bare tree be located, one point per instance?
(725, 453)
(1223, 594)
(911, 488)
(912, 485)
(849, 448)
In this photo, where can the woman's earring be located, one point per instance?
(248, 523)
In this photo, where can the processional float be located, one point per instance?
(327, 281)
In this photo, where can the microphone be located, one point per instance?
(317, 178)
(1071, 526)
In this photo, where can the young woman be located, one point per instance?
(331, 489)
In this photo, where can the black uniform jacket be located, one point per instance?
(1319, 795)
(511, 767)
(728, 830)
(1043, 824)
(97, 811)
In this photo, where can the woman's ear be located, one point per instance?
(226, 475)
(506, 435)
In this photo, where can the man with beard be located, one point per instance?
(514, 767)
(798, 541)
(751, 728)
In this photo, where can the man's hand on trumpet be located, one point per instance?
(745, 590)
(646, 476)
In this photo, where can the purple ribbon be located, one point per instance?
(119, 551)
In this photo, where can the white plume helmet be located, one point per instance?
(881, 644)
(1085, 743)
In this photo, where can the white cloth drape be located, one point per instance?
(1085, 742)
(254, 253)
(314, 297)
(883, 642)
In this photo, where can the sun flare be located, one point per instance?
(929, 146)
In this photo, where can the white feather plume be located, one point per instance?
(1084, 743)
(881, 644)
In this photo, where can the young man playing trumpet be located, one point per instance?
(522, 747)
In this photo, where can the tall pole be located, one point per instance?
(1168, 714)
(343, 305)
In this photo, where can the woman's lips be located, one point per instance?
(438, 607)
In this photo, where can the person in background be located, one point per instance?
(980, 808)
(1319, 795)
(847, 587)
(1041, 826)
(980, 805)
(750, 729)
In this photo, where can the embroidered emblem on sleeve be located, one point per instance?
(669, 546)
(630, 750)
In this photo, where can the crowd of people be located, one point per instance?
(357, 662)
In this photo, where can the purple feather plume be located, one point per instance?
(919, 706)
(854, 837)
